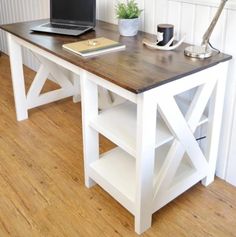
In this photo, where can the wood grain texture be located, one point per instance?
(136, 69)
(42, 190)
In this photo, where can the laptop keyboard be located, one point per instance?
(68, 27)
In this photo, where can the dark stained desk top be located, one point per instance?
(136, 69)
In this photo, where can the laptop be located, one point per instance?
(70, 17)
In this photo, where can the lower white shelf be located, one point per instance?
(119, 124)
(115, 172)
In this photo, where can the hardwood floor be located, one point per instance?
(42, 190)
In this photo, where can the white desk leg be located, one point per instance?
(145, 158)
(89, 96)
(215, 118)
(76, 83)
(17, 79)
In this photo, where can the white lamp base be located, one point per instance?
(198, 52)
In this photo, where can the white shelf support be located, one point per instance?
(145, 159)
(76, 82)
(34, 97)
(183, 129)
(184, 140)
(89, 95)
(17, 78)
(214, 121)
(37, 84)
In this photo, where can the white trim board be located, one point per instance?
(231, 4)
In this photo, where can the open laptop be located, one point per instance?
(70, 17)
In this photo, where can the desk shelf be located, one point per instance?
(115, 172)
(119, 125)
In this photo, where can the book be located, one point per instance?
(94, 46)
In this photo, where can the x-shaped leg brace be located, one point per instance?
(183, 129)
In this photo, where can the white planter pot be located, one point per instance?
(128, 27)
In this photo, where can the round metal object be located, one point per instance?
(198, 52)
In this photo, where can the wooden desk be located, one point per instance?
(157, 156)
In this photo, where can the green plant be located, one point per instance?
(128, 10)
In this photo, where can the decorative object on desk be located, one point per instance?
(168, 46)
(206, 50)
(165, 38)
(165, 33)
(94, 46)
(128, 14)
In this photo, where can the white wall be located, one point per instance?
(188, 16)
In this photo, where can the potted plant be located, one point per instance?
(128, 14)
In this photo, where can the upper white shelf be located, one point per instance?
(119, 125)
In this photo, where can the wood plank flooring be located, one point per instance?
(42, 190)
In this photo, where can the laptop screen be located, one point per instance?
(81, 12)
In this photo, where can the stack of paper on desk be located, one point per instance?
(94, 46)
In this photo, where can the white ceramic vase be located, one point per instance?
(128, 27)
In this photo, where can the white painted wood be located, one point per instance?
(69, 82)
(177, 149)
(108, 99)
(174, 173)
(107, 173)
(38, 83)
(215, 118)
(76, 82)
(185, 143)
(89, 96)
(59, 76)
(40, 52)
(17, 79)
(199, 102)
(49, 97)
(189, 180)
(113, 88)
(192, 81)
(185, 177)
(168, 171)
(34, 98)
(122, 130)
(145, 160)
